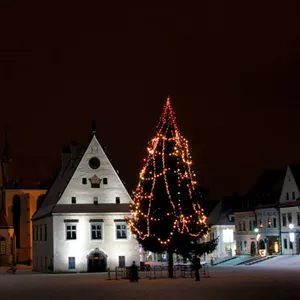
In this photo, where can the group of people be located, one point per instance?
(134, 276)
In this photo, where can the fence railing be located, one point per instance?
(155, 272)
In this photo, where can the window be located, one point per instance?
(46, 263)
(84, 181)
(290, 220)
(95, 200)
(240, 226)
(254, 224)
(274, 223)
(2, 246)
(298, 219)
(269, 223)
(244, 225)
(71, 231)
(45, 232)
(37, 261)
(285, 243)
(73, 200)
(287, 196)
(245, 245)
(121, 231)
(96, 231)
(250, 225)
(283, 220)
(241, 245)
(117, 200)
(41, 261)
(41, 232)
(291, 245)
(33, 233)
(261, 225)
(104, 180)
(71, 263)
(293, 196)
(121, 261)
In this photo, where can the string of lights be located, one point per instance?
(166, 190)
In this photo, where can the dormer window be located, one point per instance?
(104, 180)
(73, 200)
(287, 196)
(118, 200)
(95, 200)
(84, 181)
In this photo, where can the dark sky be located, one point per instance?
(231, 67)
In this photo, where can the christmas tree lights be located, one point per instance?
(166, 209)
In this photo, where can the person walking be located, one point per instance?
(134, 272)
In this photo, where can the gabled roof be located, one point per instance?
(59, 185)
(266, 191)
(74, 166)
(295, 168)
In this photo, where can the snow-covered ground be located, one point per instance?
(242, 282)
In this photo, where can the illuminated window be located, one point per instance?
(261, 223)
(71, 232)
(269, 223)
(96, 231)
(71, 263)
(121, 230)
(290, 219)
(2, 246)
(284, 220)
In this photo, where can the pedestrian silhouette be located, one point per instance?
(197, 266)
(134, 272)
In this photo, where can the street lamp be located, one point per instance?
(257, 238)
(292, 236)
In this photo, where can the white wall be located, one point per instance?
(84, 245)
(42, 250)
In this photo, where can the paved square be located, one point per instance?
(253, 282)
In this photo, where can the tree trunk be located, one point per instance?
(170, 263)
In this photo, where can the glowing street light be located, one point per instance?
(292, 236)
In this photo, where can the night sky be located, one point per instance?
(232, 69)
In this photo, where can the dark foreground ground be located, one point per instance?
(225, 283)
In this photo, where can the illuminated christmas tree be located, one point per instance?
(166, 214)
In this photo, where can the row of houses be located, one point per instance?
(265, 221)
(79, 224)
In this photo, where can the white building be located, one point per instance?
(289, 204)
(221, 220)
(81, 225)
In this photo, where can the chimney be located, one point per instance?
(74, 150)
(65, 156)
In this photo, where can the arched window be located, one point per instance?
(2, 246)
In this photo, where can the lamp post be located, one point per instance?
(292, 236)
(257, 237)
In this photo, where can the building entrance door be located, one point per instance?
(97, 262)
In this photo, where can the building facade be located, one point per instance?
(81, 225)
(289, 205)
